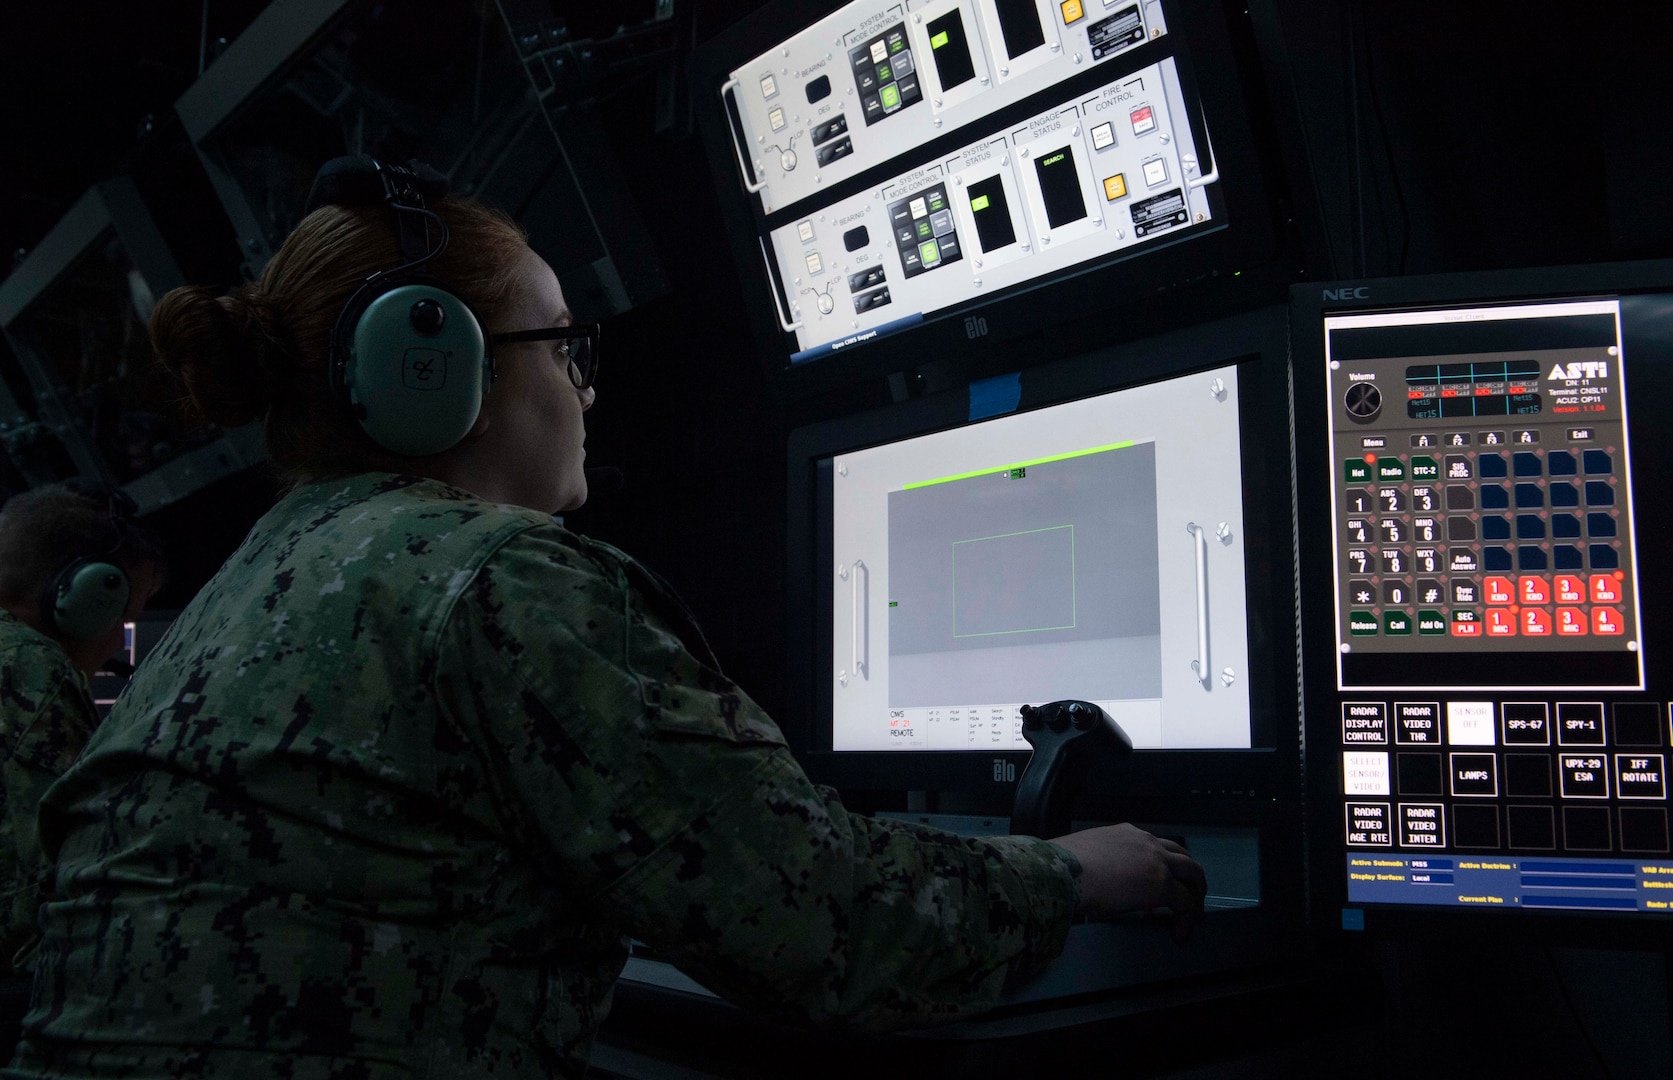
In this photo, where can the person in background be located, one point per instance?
(73, 569)
(397, 787)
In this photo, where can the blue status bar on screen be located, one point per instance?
(1547, 884)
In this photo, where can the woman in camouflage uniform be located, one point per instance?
(406, 775)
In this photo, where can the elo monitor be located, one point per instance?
(1120, 537)
(1485, 598)
(907, 181)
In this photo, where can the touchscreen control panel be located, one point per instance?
(1496, 746)
(1108, 170)
(873, 81)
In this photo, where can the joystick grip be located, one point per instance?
(1066, 736)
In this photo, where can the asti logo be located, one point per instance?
(1580, 369)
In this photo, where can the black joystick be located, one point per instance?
(1066, 736)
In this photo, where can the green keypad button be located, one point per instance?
(890, 96)
(1390, 469)
(1356, 471)
(1397, 624)
(1362, 624)
(1425, 468)
(929, 252)
(1431, 623)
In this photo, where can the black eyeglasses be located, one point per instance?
(580, 348)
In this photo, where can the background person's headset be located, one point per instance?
(409, 358)
(88, 597)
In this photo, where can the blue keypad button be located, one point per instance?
(1529, 464)
(1493, 497)
(1599, 526)
(1495, 527)
(1567, 557)
(1564, 494)
(1529, 557)
(1604, 557)
(1565, 526)
(1491, 467)
(1495, 558)
(1560, 463)
(1599, 493)
(1529, 497)
(1530, 527)
(1598, 462)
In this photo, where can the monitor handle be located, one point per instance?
(783, 324)
(1213, 172)
(751, 186)
(862, 614)
(1200, 664)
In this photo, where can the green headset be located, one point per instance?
(408, 357)
(88, 597)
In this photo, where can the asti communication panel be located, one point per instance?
(1497, 746)
(911, 157)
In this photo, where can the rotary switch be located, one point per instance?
(1363, 402)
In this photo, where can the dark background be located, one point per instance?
(1415, 139)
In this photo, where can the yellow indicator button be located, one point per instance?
(1072, 12)
(1115, 186)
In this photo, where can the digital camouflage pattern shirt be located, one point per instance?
(391, 794)
(46, 717)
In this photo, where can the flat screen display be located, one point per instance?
(1091, 549)
(1487, 668)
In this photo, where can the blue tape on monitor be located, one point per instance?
(1353, 918)
(992, 397)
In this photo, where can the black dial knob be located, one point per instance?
(1363, 402)
(428, 317)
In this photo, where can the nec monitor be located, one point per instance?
(1484, 598)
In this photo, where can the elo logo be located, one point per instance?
(975, 326)
(1580, 369)
(1004, 772)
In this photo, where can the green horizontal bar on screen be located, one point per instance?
(1020, 465)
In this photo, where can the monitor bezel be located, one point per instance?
(1330, 913)
(1244, 262)
(1158, 778)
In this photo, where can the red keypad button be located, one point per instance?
(1607, 621)
(1536, 622)
(1534, 590)
(1466, 624)
(1571, 622)
(1500, 590)
(1500, 623)
(1570, 589)
(1605, 589)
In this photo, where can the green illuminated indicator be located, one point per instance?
(890, 96)
(980, 202)
(894, 603)
(1053, 160)
(938, 40)
(1020, 465)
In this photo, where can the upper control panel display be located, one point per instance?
(1092, 176)
(1482, 511)
(873, 81)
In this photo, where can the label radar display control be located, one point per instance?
(1482, 512)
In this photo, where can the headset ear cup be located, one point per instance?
(417, 368)
(87, 599)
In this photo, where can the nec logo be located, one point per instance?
(1580, 369)
(1348, 293)
(1004, 772)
